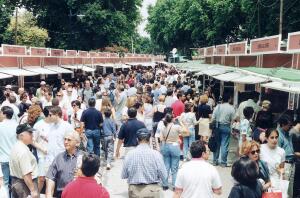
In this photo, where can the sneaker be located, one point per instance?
(108, 167)
(165, 188)
(215, 163)
(225, 165)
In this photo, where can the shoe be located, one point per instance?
(225, 165)
(165, 188)
(215, 163)
(108, 167)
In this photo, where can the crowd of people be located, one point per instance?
(57, 141)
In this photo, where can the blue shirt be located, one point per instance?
(144, 165)
(109, 127)
(285, 142)
(92, 118)
(128, 132)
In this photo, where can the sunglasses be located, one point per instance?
(58, 95)
(256, 151)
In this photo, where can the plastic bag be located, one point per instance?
(3, 192)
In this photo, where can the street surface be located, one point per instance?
(117, 187)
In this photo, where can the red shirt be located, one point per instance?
(84, 187)
(178, 108)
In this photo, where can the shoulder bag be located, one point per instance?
(213, 140)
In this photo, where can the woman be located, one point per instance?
(252, 150)
(148, 112)
(245, 172)
(158, 114)
(106, 104)
(169, 136)
(264, 121)
(273, 155)
(23, 106)
(188, 119)
(204, 114)
(139, 107)
(129, 103)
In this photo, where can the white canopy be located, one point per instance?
(17, 71)
(3, 76)
(40, 70)
(228, 76)
(86, 68)
(282, 87)
(249, 79)
(59, 70)
(71, 66)
(214, 71)
(105, 65)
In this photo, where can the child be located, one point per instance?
(245, 127)
(109, 134)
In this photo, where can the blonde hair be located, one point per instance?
(131, 101)
(203, 99)
(247, 147)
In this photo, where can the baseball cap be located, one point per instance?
(43, 83)
(143, 133)
(8, 87)
(24, 127)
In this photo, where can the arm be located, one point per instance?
(120, 142)
(217, 191)
(177, 193)
(29, 183)
(50, 184)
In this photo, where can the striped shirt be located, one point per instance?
(144, 166)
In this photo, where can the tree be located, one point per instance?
(6, 11)
(28, 33)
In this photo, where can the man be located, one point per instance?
(8, 92)
(169, 99)
(7, 140)
(144, 168)
(223, 115)
(185, 87)
(163, 89)
(64, 166)
(40, 91)
(13, 104)
(128, 132)
(285, 142)
(178, 106)
(91, 120)
(251, 102)
(120, 103)
(48, 99)
(198, 178)
(86, 186)
(87, 92)
(56, 136)
(23, 165)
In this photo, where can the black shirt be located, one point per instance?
(242, 191)
(264, 119)
(203, 111)
(92, 118)
(128, 132)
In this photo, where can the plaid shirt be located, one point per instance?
(144, 166)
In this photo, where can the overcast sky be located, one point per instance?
(144, 12)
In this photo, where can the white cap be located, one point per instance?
(43, 83)
(8, 87)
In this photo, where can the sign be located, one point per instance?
(71, 53)
(93, 54)
(239, 48)
(265, 45)
(57, 52)
(13, 50)
(82, 53)
(209, 51)
(36, 51)
(293, 44)
(221, 49)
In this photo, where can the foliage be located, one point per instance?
(27, 32)
(192, 23)
(6, 11)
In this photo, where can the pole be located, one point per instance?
(16, 27)
(132, 46)
(281, 17)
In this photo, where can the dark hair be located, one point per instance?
(90, 165)
(12, 99)
(245, 171)
(132, 112)
(162, 82)
(179, 94)
(56, 110)
(269, 131)
(92, 102)
(284, 120)
(76, 102)
(226, 97)
(107, 112)
(187, 107)
(168, 110)
(248, 112)
(23, 96)
(55, 102)
(169, 92)
(143, 135)
(138, 104)
(7, 111)
(46, 110)
(198, 148)
(168, 119)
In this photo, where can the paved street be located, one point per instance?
(118, 187)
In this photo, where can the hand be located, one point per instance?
(117, 154)
(34, 194)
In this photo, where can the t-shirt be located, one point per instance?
(178, 108)
(7, 138)
(92, 118)
(273, 157)
(128, 132)
(41, 135)
(197, 178)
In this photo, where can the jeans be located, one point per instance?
(187, 142)
(6, 173)
(171, 155)
(108, 148)
(93, 143)
(223, 137)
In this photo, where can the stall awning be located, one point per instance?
(17, 71)
(86, 68)
(71, 66)
(105, 65)
(3, 76)
(249, 79)
(282, 87)
(40, 70)
(59, 70)
(214, 71)
(199, 73)
(229, 76)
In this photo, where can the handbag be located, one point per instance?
(272, 194)
(213, 124)
(213, 142)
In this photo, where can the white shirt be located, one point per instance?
(56, 139)
(41, 134)
(131, 91)
(8, 138)
(163, 89)
(197, 178)
(273, 157)
(16, 111)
